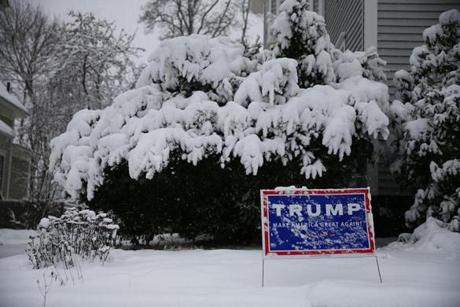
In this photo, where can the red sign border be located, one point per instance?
(265, 226)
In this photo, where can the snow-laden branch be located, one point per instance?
(261, 117)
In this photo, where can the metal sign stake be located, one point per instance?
(378, 268)
(263, 270)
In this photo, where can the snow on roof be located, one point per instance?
(11, 98)
(5, 129)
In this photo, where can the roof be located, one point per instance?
(5, 129)
(12, 99)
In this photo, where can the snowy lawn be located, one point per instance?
(13, 242)
(426, 274)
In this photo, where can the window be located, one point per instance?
(341, 41)
(19, 179)
(273, 6)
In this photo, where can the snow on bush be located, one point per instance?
(301, 34)
(275, 82)
(202, 97)
(433, 236)
(82, 234)
(360, 63)
(169, 241)
(186, 64)
(428, 111)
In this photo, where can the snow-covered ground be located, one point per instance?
(424, 274)
(13, 242)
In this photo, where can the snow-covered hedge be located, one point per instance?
(187, 64)
(271, 118)
(83, 234)
(433, 236)
(201, 96)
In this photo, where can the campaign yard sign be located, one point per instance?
(317, 222)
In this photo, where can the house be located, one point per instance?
(394, 27)
(14, 159)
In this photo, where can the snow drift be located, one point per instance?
(433, 236)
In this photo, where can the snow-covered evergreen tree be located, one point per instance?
(187, 64)
(300, 34)
(270, 117)
(202, 100)
(428, 111)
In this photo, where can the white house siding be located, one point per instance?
(345, 17)
(400, 24)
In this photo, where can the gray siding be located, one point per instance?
(346, 16)
(400, 24)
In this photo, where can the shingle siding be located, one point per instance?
(346, 16)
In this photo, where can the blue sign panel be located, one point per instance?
(312, 222)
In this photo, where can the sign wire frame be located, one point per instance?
(264, 224)
(324, 257)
